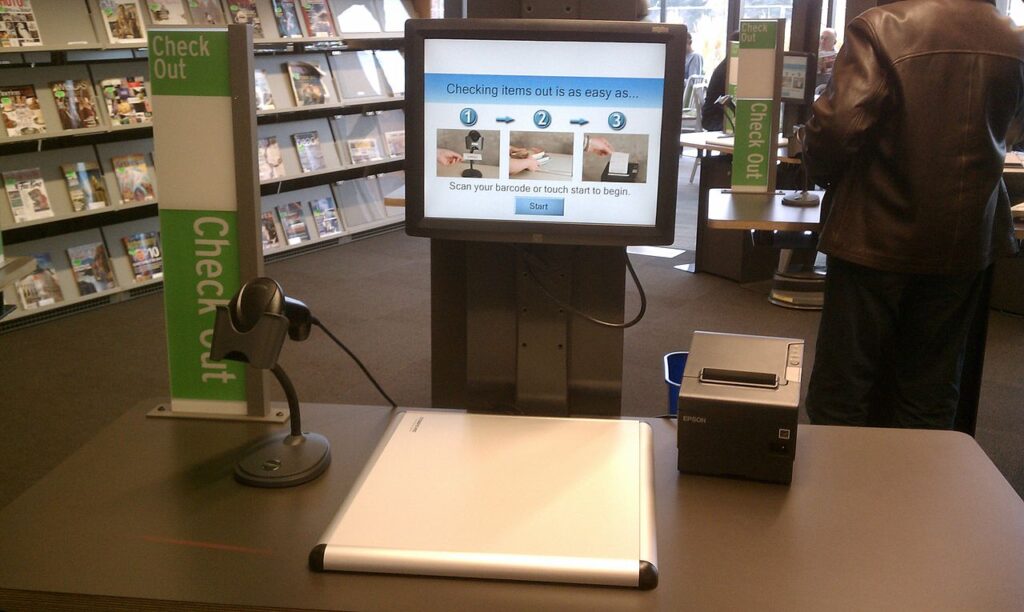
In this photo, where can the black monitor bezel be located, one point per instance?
(673, 36)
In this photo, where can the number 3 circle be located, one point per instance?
(616, 120)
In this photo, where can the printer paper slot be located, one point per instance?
(717, 376)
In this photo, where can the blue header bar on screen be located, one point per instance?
(547, 90)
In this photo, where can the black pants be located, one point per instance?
(891, 347)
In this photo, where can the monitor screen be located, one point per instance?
(558, 131)
(798, 77)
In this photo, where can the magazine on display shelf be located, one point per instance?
(144, 253)
(40, 288)
(168, 12)
(26, 193)
(311, 156)
(364, 150)
(325, 216)
(396, 143)
(264, 97)
(19, 107)
(244, 11)
(268, 229)
(293, 223)
(318, 19)
(90, 265)
(268, 159)
(206, 12)
(18, 27)
(307, 83)
(122, 20)
(76, 105)
(133, 178)
(85, 186)
(287, 18)
(127, 100)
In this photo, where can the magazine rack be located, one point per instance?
(75, 46)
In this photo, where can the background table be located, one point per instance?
(756, 211)
(146, 515)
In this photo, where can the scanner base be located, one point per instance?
(284, 460)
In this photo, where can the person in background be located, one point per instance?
(694, 61)
(711, 113)
(826, 54)
(915, 215)
(827, 41)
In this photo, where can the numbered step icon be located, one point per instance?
(468, 117)
(617, 120)
(542, 119)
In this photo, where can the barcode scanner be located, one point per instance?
(252, 329)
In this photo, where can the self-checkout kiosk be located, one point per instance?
(523, 264)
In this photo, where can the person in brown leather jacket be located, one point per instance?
(908, 139)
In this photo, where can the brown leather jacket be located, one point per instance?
(909, 137)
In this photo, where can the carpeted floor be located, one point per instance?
(62, 381)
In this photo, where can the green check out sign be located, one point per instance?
(753, 143)
(756, 107)
(189, 63)
(194, 146)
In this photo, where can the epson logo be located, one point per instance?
(689, 418)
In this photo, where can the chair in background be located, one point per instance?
(694, 94)
(691, 110)
(699, 93)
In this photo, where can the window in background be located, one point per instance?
(837, 21)
(768, 9)
(1017, 12)
(707, 22)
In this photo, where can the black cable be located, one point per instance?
(317, 322)
(527, 256)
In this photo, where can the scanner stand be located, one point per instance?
(283, 460)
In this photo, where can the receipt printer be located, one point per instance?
(738, 406)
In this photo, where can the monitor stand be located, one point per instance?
(500, 344)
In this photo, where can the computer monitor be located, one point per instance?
(798, 77)
(543, 131)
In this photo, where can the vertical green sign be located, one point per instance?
(201, 272)
(753, 143)
(190, 73)
(757, 84)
